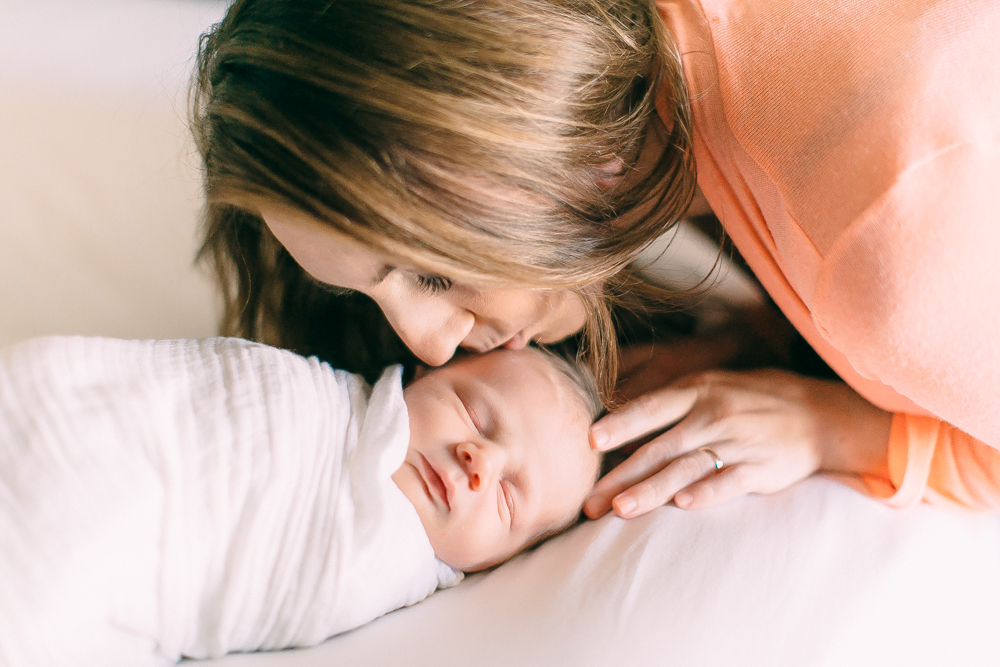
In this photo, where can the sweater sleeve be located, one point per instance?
(931, 460)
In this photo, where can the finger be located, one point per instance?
(716, 489)
(651, 412)
(661, 487)
(653, 456)
(645, 462)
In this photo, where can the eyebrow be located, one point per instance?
(382, 275)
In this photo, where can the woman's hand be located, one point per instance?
(770, 428)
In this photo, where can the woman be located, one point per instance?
(487, 171)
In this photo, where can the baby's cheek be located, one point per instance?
(475, 543)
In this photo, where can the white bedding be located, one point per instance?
(173, 498)
(816, 575)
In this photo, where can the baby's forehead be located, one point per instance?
(512, 371)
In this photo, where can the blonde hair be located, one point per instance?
(467, 137)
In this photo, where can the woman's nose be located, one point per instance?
(432, 328)
(480, 464)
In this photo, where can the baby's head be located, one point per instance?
(499, 454)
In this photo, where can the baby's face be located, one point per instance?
(499, 455)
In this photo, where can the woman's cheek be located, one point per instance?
(566, 318)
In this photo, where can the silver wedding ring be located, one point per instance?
(716, 461)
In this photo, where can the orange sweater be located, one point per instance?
(851, 148)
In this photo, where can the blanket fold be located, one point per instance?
(190, 498)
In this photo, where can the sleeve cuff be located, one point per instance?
(912, 440)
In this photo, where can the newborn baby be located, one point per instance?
(168, 499)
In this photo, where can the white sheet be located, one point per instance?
(814, 576)
(161, 499)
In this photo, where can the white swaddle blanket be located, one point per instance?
(161, 499)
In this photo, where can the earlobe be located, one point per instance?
(609, 174)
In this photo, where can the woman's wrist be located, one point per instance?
(854, 435)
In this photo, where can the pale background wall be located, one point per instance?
(99, 189)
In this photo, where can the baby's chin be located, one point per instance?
(459, 557)
(471, 562)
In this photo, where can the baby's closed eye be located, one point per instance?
(507, 502)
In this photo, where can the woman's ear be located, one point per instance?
(609, 174)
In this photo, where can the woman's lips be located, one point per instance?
(516, 342)
(435, 483)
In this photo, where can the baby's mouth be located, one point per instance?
(435, 484)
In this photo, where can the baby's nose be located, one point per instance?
(478, 464)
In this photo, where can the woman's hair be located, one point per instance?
(468, 138)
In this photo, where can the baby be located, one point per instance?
(168, 499)
(498, 457)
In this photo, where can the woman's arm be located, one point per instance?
(770, 428)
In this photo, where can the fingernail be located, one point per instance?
(625, 504)
(683, 499)
(599, 437)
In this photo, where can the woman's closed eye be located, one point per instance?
(432, 283)
(331, 289)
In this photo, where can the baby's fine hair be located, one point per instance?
(579, 378)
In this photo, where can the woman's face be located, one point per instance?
(431, 314)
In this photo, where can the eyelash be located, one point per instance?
(432, 283)
(474, 418)
(332, 289)
(508, 499)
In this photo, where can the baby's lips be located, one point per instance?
(437, 482)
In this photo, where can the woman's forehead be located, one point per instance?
(303, 234)
(323, 252)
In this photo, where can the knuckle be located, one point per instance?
(655, 491)
(644, 406)
(662, 449)
(736, 477)
(705, 493)
(709, 379)
(690, 467)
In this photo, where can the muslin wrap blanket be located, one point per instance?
(189, 498)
